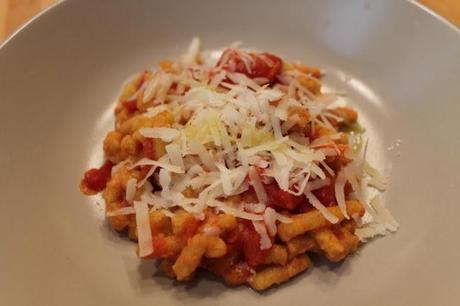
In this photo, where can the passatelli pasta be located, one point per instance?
(236, 162)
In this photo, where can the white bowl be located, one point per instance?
(60, 75)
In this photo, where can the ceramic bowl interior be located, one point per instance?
(60, 75)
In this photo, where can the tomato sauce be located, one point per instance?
(130, 106)
(94, 180)
(251, 245)
(125, 203)
(326, 195)
(262, 65)
(244, 241)
(160, 247)
(147, 148)
(278, 198)
(190, 227)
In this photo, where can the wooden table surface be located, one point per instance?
(14, 13)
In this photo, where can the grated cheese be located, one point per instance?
(150, 162)
(319, 206)
(175, 155)
(257, 185)
(265, 242)
(121, 211)
(165, 134)
(118, 166)
(130, 190)
(232, 132)
(144, 232)
(339, 189)
(270, 218)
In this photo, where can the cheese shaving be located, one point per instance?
(175, 155)
(144, 232)
(383, 215)
(377, 179)
(146, 177)
(270, 218)
(235, 131)
(265, 242)
(257, 185)
(118, 166)
(149, 162)
(130, 189)
(165, 134)
(339, 189)
(121, 211)
(319, 206)
(256, 208)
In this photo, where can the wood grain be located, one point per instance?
(449, 9)
(14, 13)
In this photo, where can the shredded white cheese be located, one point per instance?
(118, 166)
(270, 218)
(258, 186)
(265, 242)
(130, 190)
(175, 155)
(144, 233)
(232, 133)
(319, 206)
(165, 134)
(149, 162)
(121, 211)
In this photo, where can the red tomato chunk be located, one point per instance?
(326, 195)
(160, 247)
(130, 106)
(95, 179)
(148, 149)
(251, 245)
(278, 198)
(254, 65)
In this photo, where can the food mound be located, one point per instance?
(237, 162)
